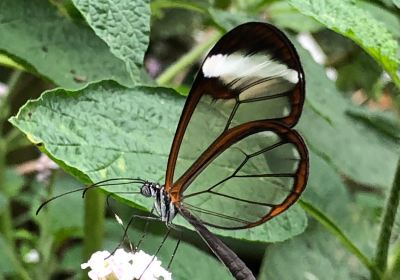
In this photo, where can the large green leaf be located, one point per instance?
(317, 253)
(9, 263)
(362, 154)
(313, 255)
(13, 183)
(390, 18)
(327, 192)
(68, 206)
(348, 19)
(108, 131)
(67, 53)
(123, 25)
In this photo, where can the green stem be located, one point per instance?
(330, 225)
(6, 225)
(4, 105)
(394, 270)
(11, 255)
(388, 222)
(186, 60)
(94, 224)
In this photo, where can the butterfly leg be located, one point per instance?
(174, 252)
(156, 253)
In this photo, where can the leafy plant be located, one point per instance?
(110, 118)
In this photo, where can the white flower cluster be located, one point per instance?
(125, 266)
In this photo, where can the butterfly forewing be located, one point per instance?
(252, 73)
(235, 161)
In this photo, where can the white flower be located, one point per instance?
(125, 266)
(32, 256)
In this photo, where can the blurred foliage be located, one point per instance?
(105, 121)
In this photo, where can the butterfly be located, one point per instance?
(236, 161)
(243, 157)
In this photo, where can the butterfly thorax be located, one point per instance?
(162, 201)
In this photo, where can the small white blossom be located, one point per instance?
(32, 256)
(125, 266)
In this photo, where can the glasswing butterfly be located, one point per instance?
(244, 158)
(234, 148)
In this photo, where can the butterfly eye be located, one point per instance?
(145, 190)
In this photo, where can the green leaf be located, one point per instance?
(360, 71)
(108, 131)
(323, 184)
(346, 18)
(285, 16)
(314, 255)
(227, 20)
(317, 253)
(123, 25)
(70, 206)
(349, 145)
(389, 18)
(67, 53)
(10, 265)
(384, 122)
(7, 257)
(327, 193)
(3, 203)
(13, 183)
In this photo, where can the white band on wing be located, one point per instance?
(237, 66)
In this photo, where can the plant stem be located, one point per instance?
(6, 225)
(387, 223)
(330, 225)
(394, 270)
(4, 105)
(94, 223)
(186, 60)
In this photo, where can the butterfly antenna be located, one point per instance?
(118, 181)
(55, 197)
(95, 185)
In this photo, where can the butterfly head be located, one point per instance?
(149, 189)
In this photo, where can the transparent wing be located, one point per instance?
(252, 74)
(258, 171)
